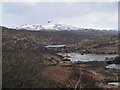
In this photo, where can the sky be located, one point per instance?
(97, 15)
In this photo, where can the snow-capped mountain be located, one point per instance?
(37, 27)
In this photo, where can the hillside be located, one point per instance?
(100, 44)
(24, 60)
(88, 40)
(60, 36)
(28, 64)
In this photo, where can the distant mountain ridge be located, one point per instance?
(36, 27)
(57, 27)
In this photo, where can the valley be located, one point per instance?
(30, 59)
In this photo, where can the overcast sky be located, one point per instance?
(82, 14)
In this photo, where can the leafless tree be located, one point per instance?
(72, 85)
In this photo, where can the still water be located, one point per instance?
(114, 83)
(114, 66)
(87, 57)
(52, 46)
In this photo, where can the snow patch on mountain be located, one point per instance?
(36, 27)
